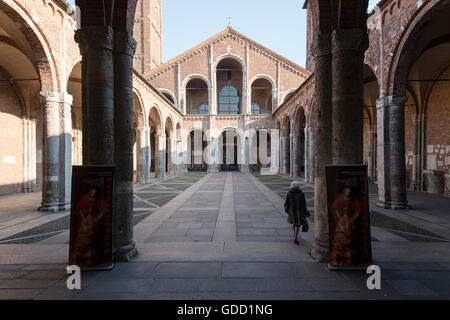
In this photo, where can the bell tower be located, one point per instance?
(148, 34)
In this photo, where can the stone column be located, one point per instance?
(283, 153)
(124, 49)
(347, 50)
(65, 136)
(98, 129)
(295, 155)
(383, 151)
(418, 182)
(179, 154)
(397, 151)
(321, 52)
(371, 161)
(173, 154)
(143, 154)
(81, 40)
(161, 154)
(57, 165)
(310, 159)
(245, 153)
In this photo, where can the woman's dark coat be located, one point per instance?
(295, 206)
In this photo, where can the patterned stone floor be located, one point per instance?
(196, 219)
(384, 227)
(257, 219)
(147, 199)
(226, 237)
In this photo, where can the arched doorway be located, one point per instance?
(154, 121)
(229, 77)
(286, 146)
(260, 151)
(196, 144)
(229, 151)
(299, 140)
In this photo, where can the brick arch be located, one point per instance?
(138, 109)
(42, 57)
(230, 56)
(195, 76)
(416, 38)
(169, 125)
(262, 76)
(286, 125)
(156, 112)
(287, 93)
(299, 116)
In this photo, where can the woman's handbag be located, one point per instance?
(305, 226)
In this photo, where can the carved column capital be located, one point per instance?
(100, 37)
(321, 46)
(396, 100)
(349, 39)
(125, 43)
(49, 96)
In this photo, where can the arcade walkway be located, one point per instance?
(222, 236)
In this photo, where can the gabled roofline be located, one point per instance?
(229, 30)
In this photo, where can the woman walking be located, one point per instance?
(295, 207)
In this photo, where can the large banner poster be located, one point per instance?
(91, 217)
(348, 217)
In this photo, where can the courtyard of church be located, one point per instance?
(225, 236)
(182, 158)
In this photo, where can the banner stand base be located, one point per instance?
(346, 268)
(105, 268)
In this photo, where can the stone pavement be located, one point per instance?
(226, 237)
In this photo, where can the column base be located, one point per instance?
(319, 251)
(213, 168)
(126, 253)
(392, 204)
(245, 168)
(161, 176)
(54, 207)
(385, 204)
(399, 205)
